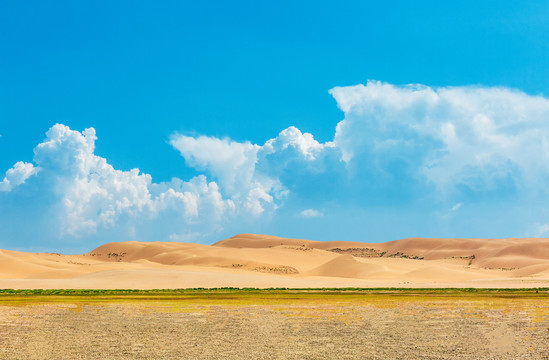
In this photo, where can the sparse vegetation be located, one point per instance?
(373, 253)
(470, 258)
(245, 291)
(275, 323)
(358, 252)
(300, 248)
(116, 256)
(501, 268)
(399, 254)
(278, 269)
(77, 262)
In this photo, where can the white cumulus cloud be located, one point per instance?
(249, 173)
(89, 194)
(475, 137)
(434, 147)
(17, 175)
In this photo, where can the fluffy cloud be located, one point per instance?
(251, 174)
(473, 138)
(86, 196)
(398, 147)
(17, 175)
(80, 195)
(291, 138)
(232, 164)
(90, 195)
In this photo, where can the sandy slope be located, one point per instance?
(249, 260)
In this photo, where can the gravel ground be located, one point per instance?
(405, 328)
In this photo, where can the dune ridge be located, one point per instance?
(251, 260)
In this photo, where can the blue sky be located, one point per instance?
(239, 102)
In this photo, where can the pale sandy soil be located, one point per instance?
(372, 327)
(266, 261)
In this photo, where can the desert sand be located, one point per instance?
(263, 261)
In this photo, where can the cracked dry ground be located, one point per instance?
(386, 327)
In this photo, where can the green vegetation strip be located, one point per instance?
(244, 291)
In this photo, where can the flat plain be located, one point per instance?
(275, 324)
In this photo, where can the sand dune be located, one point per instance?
(347, 266)
(249, 260)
